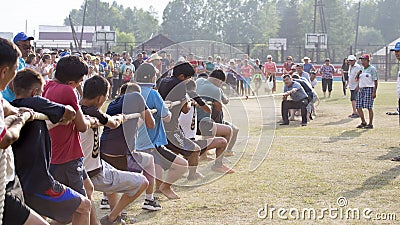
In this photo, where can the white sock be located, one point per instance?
(105, 197)
(150, 197)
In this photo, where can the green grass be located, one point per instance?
(306, 167)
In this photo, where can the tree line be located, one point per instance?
(250, 21)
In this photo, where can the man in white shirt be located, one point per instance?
(353, 84)
(367, 84)
(396, 50)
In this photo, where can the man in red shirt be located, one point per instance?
(67, 155)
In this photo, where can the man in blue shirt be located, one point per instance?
(299, 100)
(24, 44)
(152, 141)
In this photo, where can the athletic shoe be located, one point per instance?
(151, 205)
(119, 221)
(104, 204)
(369, 126)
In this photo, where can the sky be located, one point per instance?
(15, 13)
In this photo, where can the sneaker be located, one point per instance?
(369, 126)
(151, 205)
(119, 221)
(104, 204)
(303, 124)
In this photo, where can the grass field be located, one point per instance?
(306, 167)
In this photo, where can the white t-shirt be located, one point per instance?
(91, 149)
(353, 70)
(398, 84)
(8, 153)
(188, 122)
(367, 77)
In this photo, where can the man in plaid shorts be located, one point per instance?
(367, 85)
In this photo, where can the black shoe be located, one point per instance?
(151, 205)
(362, 125)
(396, 159)
(284, 123)
(369, 126)
(303, 124)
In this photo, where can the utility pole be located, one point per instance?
(83, 25)
(357, 25)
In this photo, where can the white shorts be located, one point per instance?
(111, 180)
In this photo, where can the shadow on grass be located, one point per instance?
(375, 182)
(347, 135)
(393, 152)
(339, 122)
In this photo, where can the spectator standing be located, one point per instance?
(327, 71)
(345, 75)
(367, 84)
(269, 72)
(308, 67)
(396, 51)
(354, 67)
(287, 66)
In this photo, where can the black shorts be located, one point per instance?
(15, 211)
(71, 174)
(162, 156)
(353, 95)
(327, 84)
(179, 144)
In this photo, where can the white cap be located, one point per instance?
(107, 58)
(269, 56)
(46, 51)
(351, 58)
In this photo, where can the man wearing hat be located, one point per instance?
(396, 51)
(155, 60)
(24, 44)
(353, 84)
(367, 85)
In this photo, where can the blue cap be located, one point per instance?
(396, 47)
(22, 37)
(63, 54)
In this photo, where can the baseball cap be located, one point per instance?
(107, 58)
(396, 47)
(365, 56)
(145, 72)
(269, 56)
(351, 58)
(21, 36)
(299, 65)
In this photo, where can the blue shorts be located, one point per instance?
(364, 98)
(58, 203)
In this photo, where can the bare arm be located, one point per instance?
(115, 121)
(148, 119)
(82, 123)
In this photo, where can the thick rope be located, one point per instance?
(3, 163)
